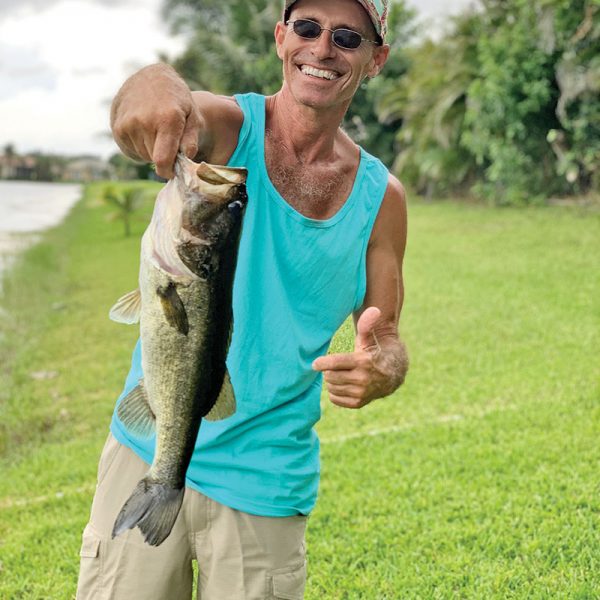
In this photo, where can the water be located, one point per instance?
(26, 208)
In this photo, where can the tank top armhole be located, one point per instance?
(376, 179)
(244, 103)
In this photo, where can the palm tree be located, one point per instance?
(231, 46)
(125, 200)
(431, 102)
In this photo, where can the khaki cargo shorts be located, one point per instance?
(240, 556)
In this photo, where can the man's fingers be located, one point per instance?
(346, 377)
(346, 402)
(345, 390)
(146, 147)
(189, 140)
(335, 362)
(165, 151)
(136, 145)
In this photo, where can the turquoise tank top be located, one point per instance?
(297, 280)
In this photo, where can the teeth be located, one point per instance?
(319, 72)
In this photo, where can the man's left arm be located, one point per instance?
(379, 362)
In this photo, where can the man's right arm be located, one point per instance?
(155, 114)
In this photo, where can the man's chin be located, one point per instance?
(316, 98)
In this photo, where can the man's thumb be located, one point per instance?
(364, 328)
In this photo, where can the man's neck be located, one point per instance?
(309, 134)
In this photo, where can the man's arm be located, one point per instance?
(155, 114)
(379, 362)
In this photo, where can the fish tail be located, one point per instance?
(153, 507)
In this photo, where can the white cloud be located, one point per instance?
(23, 68)
(433, 14)
(65, 64)
(20, 7)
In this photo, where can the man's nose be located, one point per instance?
(323, 46)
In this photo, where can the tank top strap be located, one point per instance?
(251, 136)
(372, 188)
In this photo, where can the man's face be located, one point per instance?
(340, 71)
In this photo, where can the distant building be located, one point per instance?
(48, 167)
(17, 167)
(87, 168)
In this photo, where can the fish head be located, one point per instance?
(214, 202)
(214, 199)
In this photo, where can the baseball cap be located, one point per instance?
(376, 9)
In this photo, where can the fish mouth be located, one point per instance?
(216, 183)
(219, 175)
(213, 197)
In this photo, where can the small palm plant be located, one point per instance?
(125, 200)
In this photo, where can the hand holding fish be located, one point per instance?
(154, 116)
(354, 379)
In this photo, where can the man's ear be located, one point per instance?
(280, 33)
(380, 56)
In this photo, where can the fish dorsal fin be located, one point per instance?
(127, 308)
(225, 405)
(135, 413)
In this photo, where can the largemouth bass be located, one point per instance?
(183, 304)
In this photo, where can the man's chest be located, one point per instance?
(315, 192)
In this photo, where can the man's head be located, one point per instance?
(327, 49)
(376, 9)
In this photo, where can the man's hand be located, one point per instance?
(154, 115)
(375, 368)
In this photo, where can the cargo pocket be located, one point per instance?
(90, 566)
(288, 583)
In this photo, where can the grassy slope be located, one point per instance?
(480, 477)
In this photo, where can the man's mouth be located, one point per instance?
(319, 73)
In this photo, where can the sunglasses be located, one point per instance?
(346, 39)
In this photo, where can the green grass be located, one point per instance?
(478, 479)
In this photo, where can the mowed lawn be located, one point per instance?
(480, 478)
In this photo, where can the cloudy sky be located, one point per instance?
(62, 61)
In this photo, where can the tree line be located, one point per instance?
(504, 105)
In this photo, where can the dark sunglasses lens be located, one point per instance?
(306, 29)
(346, 38)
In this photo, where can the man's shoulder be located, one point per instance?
(224, 118)
(221, 108)
(395, 193)
(390, 223)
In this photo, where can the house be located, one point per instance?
(87, 168)
(13, 166)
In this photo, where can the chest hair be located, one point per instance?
(317, 192)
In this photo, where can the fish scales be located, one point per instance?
(184, 306)
(190, 376)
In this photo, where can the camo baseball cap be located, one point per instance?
(376, 9)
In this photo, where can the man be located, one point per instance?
(323, 237)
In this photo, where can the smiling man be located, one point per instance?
(323, 238)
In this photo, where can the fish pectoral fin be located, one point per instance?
(225, 405)
(127, 309)
(173, 308)
(135, 413)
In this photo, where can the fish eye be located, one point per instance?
(235, 208)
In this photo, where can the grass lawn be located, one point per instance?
(478, 479)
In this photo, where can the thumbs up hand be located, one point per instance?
(365, 329)
(354, 379)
